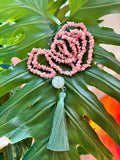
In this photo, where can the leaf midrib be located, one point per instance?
(32, 9)
(100, 5)
(40, 112)
(103, 35)
(30, 119)
(25, 24)
(81, 8)
(28, 7)
(82, 96)
(108, 57)
(36, 153)
(13, 78)
(35, 41)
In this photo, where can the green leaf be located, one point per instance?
(78, 4)
(54, 6)
(106, 58)
(82, 151)
(42, 109)
(4, 98)
(92, 8)
(104, 81)
(15, 151)
(29, 112)
(62, 12)
(1, 156)
(19, 149)
(32, 19)
(6, 153)
(89, 104)
(39, 150)
(14, 79)
(79, 134)
(104, 35)
(58, 8)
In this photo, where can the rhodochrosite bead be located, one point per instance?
(58, 82)
(68, 48)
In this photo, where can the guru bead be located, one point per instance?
(58, 82)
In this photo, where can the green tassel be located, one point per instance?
(58, 139)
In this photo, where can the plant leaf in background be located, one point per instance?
(31, 23)
(29, 112)
(15, 151)
(58, 8)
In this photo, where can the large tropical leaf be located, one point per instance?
(31, 20)
(58, 8)
(29, 112)
(35, 120)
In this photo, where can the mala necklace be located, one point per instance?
(69, 46)
(64, 56)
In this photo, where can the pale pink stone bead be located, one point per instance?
(72, 58)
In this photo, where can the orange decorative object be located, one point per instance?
(113, 107)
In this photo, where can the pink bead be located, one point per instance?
(29, 54)
(71, 58)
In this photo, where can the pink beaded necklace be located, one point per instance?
(62, 55)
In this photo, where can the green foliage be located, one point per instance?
(82, 151)
(15, 151)
(29, 112)
(31, 20)
(4, 98)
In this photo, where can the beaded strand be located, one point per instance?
(71, 58)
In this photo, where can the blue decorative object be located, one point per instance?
(5, 66)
